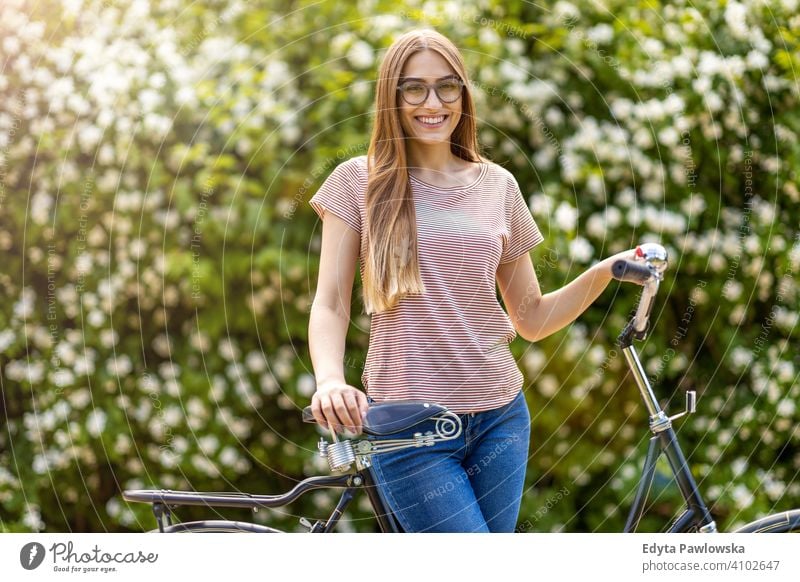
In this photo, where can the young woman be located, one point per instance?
(435, 227)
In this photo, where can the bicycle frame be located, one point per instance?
(164, 501)
(696, 517)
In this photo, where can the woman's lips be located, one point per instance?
(419, 119)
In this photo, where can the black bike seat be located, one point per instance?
(385, 418)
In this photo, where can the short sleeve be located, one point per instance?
(339, 195)
(523, 234)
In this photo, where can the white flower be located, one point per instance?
(6, 339)
(268, 384)
(786, 408)
(596, 225)
(169, 370)
(120, 365)
(306, 385)
(713, 101)
(565, 10)
(200, 341)
(41, 204)
(736, 19)
(566, 217)
(109, 338)
(11, 45)
(172, 415)
(581, 250)
(757, 60)
(742, 496)
(741, 357)
(83, 263)
(228, 456)
(228, 349)
(95, 318)
(732, 290)
(693, 205)
(32, 517)
(96, 422)
(668, 136)
(255, 362)
(162, 345)
(512, 72)
(601, 33)
(62, 377)
(361, 55)
(488, 37)
(613, 216)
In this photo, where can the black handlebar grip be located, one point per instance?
(623, 270)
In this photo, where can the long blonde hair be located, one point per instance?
(392, 263)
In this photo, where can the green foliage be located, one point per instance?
(160, 254)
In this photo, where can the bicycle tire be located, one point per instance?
(217, 526)
(784, 522)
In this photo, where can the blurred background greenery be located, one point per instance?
(160, 257)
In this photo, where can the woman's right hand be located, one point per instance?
(340, 406)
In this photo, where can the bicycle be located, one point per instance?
(349, 460)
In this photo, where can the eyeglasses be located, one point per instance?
(416, 92)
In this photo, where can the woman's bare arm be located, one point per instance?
(536, 316)
(334, 403)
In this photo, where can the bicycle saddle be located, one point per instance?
(385, 418)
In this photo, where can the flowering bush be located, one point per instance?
(160, 255)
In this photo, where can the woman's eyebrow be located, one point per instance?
(421, 79)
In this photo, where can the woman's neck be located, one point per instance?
(435, 158)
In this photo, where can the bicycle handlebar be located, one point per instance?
(631, 272)
(648, 269)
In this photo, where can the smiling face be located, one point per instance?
(428, 67)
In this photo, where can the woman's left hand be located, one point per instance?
(605, 265)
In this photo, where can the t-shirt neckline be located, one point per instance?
(477, 180)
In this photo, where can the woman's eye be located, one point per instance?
(414, 89)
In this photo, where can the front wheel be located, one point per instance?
(217, 526)
(785, 522)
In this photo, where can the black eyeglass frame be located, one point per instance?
(428, 87)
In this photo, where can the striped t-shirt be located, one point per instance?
(450, 344)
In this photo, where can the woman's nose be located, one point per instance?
(432, 101)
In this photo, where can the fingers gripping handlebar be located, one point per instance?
(648, 269)
(630, 272)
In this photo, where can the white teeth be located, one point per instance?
(431, 120)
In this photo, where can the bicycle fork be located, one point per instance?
(664, 441)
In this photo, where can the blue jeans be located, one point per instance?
(469, 484)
